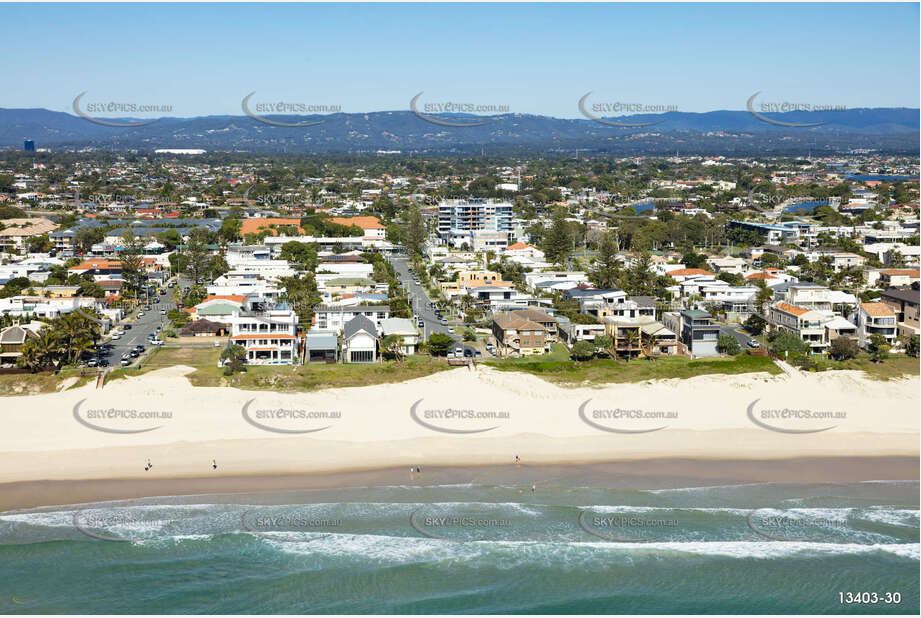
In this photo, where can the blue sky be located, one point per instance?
(203, 59)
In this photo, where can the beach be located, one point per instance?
(93, 444)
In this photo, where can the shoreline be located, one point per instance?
(658, 473)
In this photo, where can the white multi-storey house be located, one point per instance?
(268, 333)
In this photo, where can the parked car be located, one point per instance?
(116, 336)
(156, 342)
(134, 353)
(754, 344)
(127, 326)
(140, 314)
(162, 311)
(92, 362)
(479, 353)
(468, 353)
(125, 362)
(103, 363)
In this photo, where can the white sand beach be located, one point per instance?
(69, 434)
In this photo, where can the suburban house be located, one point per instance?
(516, 335)
(217, 308)
(12, 339)
(335, 317)
(640, 336)
(322, 347)
(904, 303)
(204, 328)
(875, 319)
(807, 324)
(695, 330)
(898, 277)
(570, 332)
(405, 330)
(359, 340)
(268, 334)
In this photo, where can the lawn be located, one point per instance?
(291, 378)
(556, 367)
(896, 366)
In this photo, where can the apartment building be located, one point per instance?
(463, 221)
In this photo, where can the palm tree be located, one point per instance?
(647, 343)
(630, 336)
(42, 351)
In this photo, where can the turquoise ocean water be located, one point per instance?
(752, 548)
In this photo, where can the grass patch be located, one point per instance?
(553, 368)
(291, 378)
(894, 367)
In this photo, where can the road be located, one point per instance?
(741, 337)
(140, 328)
(420, 302)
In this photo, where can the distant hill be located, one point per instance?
(894, 130)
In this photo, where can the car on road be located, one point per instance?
(134, 353)
(103, 362)
(443, 321)
(420, 323)
(468, 353)
(140, 314)
(125, 362)
(754, 344)
(162, 311)
(127, 326)
(116, 336)
(156, 342)
(458, 351)
(92, 362)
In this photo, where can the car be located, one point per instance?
(127, 327)
(754, 344)
(151, 336)
(162, 311)
(451, 330)
(103, 362)
(134, 354)
(116, 336)
(159, 328)
(478, 353)
(139, 348)
(458, 351)
(156, 342)
(140, 314)
(443, 321)
(92, 362)
(420, 323)
(125, 362)
(468, 353)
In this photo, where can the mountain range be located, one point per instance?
(739, 133)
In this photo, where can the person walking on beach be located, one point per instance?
(148, 466)
(517, 461)
(213, 464)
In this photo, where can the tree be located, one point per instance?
(755, 324)
(39, 244)
(234, 359)
(300, 253)
(789, 343)
(603, 343)
(132, 264)
(41, 352)
(392, 348)
(912, 344)
(439, 344)
(764, 296)
(303, 296)
(582, 351)
(727, 344)
(558, 241)
(415, 233)
(843, 348)
(640, 277)
(607, 270)
(879, 348)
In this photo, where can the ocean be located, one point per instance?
(758, 548)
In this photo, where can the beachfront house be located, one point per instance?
(322, 347)
(359, 341)
(874, 319)
(267, 333)
(405, 330)
(516, 335)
